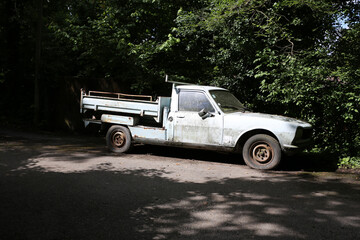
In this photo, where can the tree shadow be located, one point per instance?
(146, 204)
(96, 199)
(149, 202)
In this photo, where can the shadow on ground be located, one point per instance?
(300, 162)
(148, 203)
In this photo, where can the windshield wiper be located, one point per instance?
(232, 107)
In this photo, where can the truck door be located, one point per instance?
(189, 127)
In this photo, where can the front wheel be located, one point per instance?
(118, 139)
(262, 151)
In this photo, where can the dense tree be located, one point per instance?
(300, 58)
(288, 57)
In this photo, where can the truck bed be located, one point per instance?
(124, 104)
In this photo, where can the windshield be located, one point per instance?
(226, 101)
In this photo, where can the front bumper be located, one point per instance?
(297, 147)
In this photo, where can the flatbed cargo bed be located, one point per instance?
(124, 104)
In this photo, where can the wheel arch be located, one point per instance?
(106, 126)
(245, 136)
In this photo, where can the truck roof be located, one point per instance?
(199, 87)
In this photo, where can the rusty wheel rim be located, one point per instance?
(118, 139)
(262, 152)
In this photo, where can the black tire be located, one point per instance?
(118, 139)
(262, 151)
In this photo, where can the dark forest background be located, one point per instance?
(297, 58)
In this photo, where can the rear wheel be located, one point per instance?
(118, 139)
(262, 151)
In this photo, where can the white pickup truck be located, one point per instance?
(195, 116)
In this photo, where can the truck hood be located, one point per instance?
(269, 117)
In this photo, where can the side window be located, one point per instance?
(194, 102)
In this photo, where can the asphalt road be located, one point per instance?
(71, 187)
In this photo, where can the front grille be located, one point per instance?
(307, 133)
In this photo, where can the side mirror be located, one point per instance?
(202, 112)
(205, 114)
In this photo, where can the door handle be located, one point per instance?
(180, 116)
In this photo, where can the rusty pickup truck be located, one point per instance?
(195, 116)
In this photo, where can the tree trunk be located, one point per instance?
(39, 23)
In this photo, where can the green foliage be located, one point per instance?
(318, 83)
(283, 57)
(303, 89)
(117, 39)
(349, 162)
